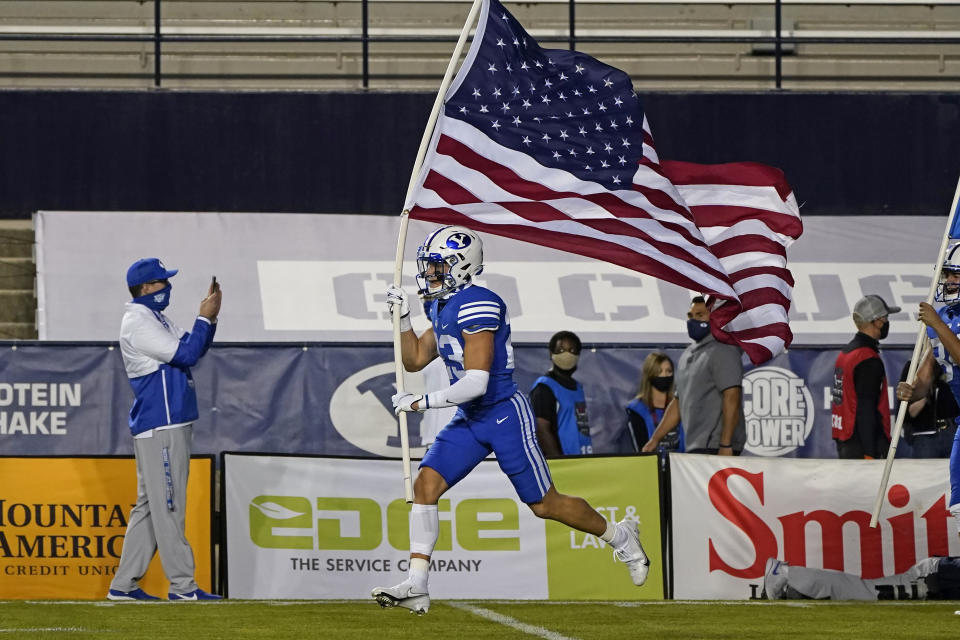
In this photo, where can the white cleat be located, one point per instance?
(632, 554)
(402, 595)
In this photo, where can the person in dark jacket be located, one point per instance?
(860, 408)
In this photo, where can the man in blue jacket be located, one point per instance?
(157, 356)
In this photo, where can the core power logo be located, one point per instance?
(778, 410)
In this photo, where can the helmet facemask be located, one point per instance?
(949, 292)
(452, 255)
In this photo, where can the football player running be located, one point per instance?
(471, 332)
(943, 328)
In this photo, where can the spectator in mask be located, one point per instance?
(709, 392)
(860, 408)
(646, 409)
(559, 403)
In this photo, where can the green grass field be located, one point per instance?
(238, 619)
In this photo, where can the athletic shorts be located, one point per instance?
(508, 429)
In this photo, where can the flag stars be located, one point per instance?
(538, 119)
(533, 88)
(525, 104)
(556, 155)
(607, 83)
(625, 143)
(516, 42)
(538, 64)
(492, 68)
(563, 134)
(616, 179)
(589, 88)
(501, 43)
(516, 90)
(546, 137)
(516, 121)
(601, 106)
(526, 140)
(614, 125)
(509, 68)
(590, 151)
(629, 121)
(496, 125)
(583, 131)
(586, 111)
(579, 69)
(547, 83)
(505, 107)
(572, 152)
(607, 147)
(476, 93)
(597, 127)
(463, 110)
(617, 101)
(545, 100)
(505, 17)
(496, 92)
(524, 65)
(621, 160)
(561, 96)
(483, 109)
(562, 76)
(604, 164)
(577, 93)
(569, 114)
(588, 167)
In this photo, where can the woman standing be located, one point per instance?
(646, 409)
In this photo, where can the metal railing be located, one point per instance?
(778, 39)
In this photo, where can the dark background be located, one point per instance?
(844, 153)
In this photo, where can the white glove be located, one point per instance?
(403, 401)
(395, 296)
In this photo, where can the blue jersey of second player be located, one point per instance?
(951, 370)
(471, 310)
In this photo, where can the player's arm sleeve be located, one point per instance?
(193, 344)
(472, 385)
(482, 315)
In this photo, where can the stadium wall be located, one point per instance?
(844, 153)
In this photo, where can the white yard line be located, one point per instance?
(507, 621)
(46, 630)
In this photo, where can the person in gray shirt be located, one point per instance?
(709, 392)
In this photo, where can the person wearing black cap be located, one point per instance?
(860, 408)
(157, 356)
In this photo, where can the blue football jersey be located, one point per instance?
(951, 370)
(471, 310)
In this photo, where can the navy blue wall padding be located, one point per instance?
(844, 153)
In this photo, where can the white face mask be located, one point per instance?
(565, 360)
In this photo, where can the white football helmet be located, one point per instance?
(452, 255)
(949, 292)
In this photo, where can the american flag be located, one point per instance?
(552, 147)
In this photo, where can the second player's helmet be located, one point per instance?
(949, 292)
(460, 249)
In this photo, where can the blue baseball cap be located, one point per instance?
(146, 270)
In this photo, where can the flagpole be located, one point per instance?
(914, 362)
(402, 236)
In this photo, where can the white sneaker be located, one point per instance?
(404, 596)
(631, 553)
(775, 579)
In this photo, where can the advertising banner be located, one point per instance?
(62, 537)
(730, 516)
(334, 399)
(322, 277)
(335, 528)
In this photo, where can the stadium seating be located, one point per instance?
(17, 275)
(226, 63)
